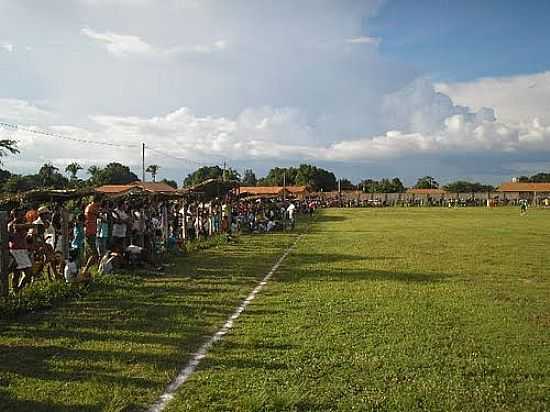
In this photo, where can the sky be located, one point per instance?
(367, 89)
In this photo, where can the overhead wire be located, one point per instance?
(97, 142)
(68, 138)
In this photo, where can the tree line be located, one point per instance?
(315, 178)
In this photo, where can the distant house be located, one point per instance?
(299, 192)
(533, 192)
(150, 187)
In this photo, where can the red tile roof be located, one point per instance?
(272, 190)
(154, 187)
(524, 187)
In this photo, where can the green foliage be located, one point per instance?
(18, 183)
(305, 175)
(73, 169)
(426, 182)
(540, 178)
(42, 295)
(382, 186)
(461, 186)
(249, 178)
(345, 184)
(7, 146)
(112, 174)
(51, 178)
(153, 169)
(210, 172)
(171, 183)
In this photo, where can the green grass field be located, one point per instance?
(375, 309)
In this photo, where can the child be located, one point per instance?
(77, 243)
(71, 267)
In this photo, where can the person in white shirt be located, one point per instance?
(291, 210)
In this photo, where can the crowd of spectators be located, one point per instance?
(64, 241)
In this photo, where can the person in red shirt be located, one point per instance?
(19, 249)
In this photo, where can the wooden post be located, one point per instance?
(4, 254)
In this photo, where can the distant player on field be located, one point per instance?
(523, 207)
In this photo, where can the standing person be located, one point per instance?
(291, 211)
(523, 205)
(19, 249)
(120, 227)
(90, 229)
(77, 244)
(102, 236)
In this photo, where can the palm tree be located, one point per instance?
(7, 146)
(72, 169)
(46, 173)
(153, 169)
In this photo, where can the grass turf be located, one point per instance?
(394, 309)
(116, 349)
(376, 309)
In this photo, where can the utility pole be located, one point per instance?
(223, 172)
(143, 162)
(284, 185)
(340, 191)
(284, 199)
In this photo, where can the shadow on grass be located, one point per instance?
(127, 337)
(291, 275)
(24, 405)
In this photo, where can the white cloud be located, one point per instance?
(515, 99)
(122, 45)
(374, 41)
(7, 47)
(279, 134)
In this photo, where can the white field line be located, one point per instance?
(188, 370)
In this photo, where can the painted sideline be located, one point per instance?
(196, 358)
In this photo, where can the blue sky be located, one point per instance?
(367, 88)
(465, 40)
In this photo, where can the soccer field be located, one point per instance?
(374, 309)
(395, 309)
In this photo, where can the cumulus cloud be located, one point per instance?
(515, 99)
(435, 126)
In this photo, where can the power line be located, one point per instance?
(69, 138)
(97, 142)
(184, 159)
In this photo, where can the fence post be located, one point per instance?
(4, 254)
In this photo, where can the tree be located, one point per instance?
(153, 169)
(210, 172)
(172, 183)
(17, 183)
(540, 178)
(383, 186)
(112, 174)
(305, 175)
(47, 173)
(7, 146)
(426, 182)
(345, 184)
(462, 186)
(73, 169)
(249, 178)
